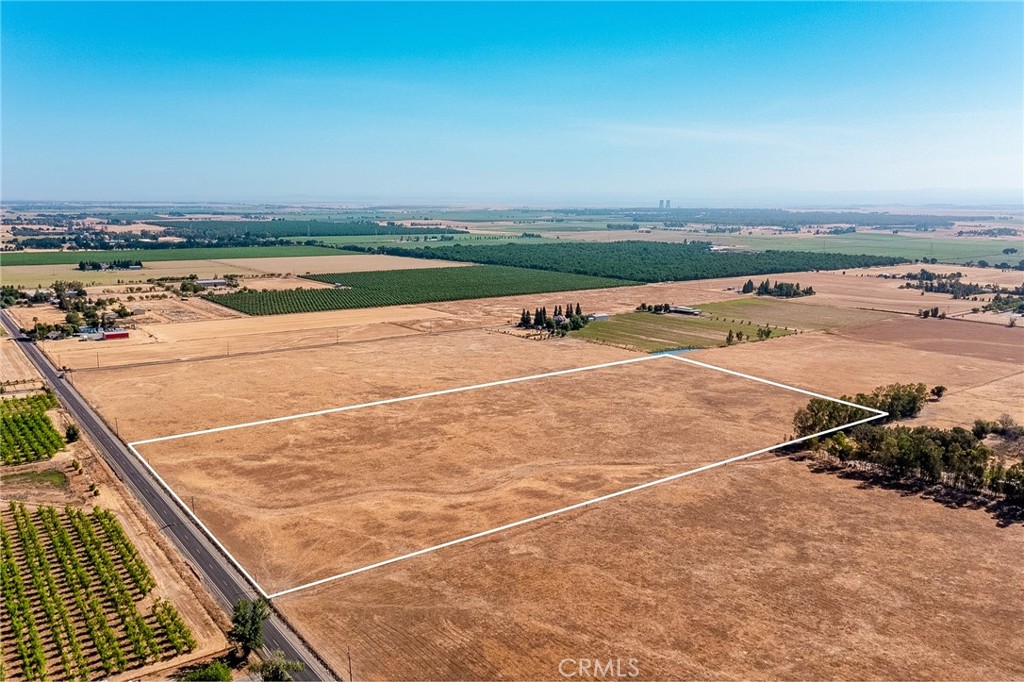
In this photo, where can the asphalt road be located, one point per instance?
(217, 574)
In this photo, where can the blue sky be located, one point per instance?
(514, 103)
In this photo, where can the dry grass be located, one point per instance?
(752, 571)
(761, 570)
(306, 499)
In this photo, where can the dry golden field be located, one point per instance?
(760, 569)
(302, 500)
(43, 275)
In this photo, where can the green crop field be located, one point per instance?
(949, 250)
(654, 333)
(49, 477)
(805, 314)
(73, 587)
(397, 287)
(153, 255)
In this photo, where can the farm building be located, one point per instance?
(119, 333)
(598, 317)
(684, 310)
(211, 283)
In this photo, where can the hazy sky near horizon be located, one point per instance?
(543, 103)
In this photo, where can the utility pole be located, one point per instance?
(117, 429)
(192, 499)
(348, 651)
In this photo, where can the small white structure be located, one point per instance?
(598, 317)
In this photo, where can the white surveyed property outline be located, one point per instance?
(875, 414)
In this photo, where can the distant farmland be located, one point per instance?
(947, 250)
(201, 253)
(297, 228)
(398, 287)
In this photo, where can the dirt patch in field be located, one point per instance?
(281, 283)
(398, 478)
(14, 366)
(762, 570)
(353, 262)
(27, 316)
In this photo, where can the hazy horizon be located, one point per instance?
(727, 105)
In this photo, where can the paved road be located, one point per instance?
(220, 578)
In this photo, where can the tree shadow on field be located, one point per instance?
(1003, 513)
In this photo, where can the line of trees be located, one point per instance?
(111, 265)
(954, 458)
(780, 289)
(763, 334)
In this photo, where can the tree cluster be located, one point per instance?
(659, 308)
(563, 320)
(932, 312)
(901, 401)
(780, 289)
(955, 458)
(10, 295)
(110, 265)
(1001, 304)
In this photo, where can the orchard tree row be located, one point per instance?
(638, 261)
(72, 590)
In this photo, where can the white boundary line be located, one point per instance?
(389, 401)
(877, 414)
(181, 503)
(572, 507)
